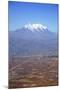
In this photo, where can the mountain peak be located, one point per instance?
(35, 27)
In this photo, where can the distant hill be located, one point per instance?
(34, 39)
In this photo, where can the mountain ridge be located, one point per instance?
(24, 42)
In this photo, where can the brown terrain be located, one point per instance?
(34, 71)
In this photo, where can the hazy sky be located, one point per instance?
(21, 13)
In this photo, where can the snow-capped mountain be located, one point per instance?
(32, 39)
(35, 27)
(31, 31)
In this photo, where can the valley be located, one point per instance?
(33, 71)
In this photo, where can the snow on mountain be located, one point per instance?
(35, 27)
(32, 39)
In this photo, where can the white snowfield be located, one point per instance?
(35, 27)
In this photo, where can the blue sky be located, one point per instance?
(21, 13)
